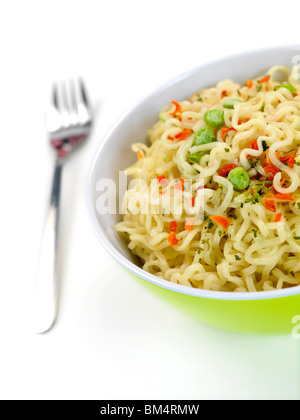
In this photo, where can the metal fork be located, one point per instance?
(69, 121)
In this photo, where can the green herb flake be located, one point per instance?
(229, 104)
(196, 157)
(163, 117)
(237, 258)
(206, 241)
(264, 145)
(260, 191)
(287, 86)
(254, 199)
(292, 273)
(210, 224)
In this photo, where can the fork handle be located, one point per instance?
(45, 300)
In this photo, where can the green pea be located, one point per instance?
(162, 117)
(229, 104)
(196, 157)
(239, 178)
(288, 86)
(204, 136)
(214, 118)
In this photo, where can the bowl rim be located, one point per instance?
(130, 266)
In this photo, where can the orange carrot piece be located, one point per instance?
(285, 158)
(282, 181)
(176, 109)
(265, 79)
(249, 83)
(183, 134)
(173, 226)
(221, 221)
(271, 169)
(284, 197)
(290, 159)
(224, 171)
(270, 205)
(277, 217)
(224, 131)
(224, 93)
(189, 225)
(277, 154)
(160, 178)
(179, 185)
(291, 162)
(254, 145)
(173, 239)
(139, 154)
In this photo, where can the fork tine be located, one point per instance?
(82, 103)
(65, 101)
(70, 109)
(54, 98)
(84, 94)
(62, 103)
(71, 101)
(54, 114)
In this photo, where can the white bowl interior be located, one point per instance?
(133, 126)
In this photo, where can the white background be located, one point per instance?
(112, 339)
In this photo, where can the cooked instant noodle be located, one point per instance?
(214, 200)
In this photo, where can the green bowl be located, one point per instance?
(265, 315)
(270, 312)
